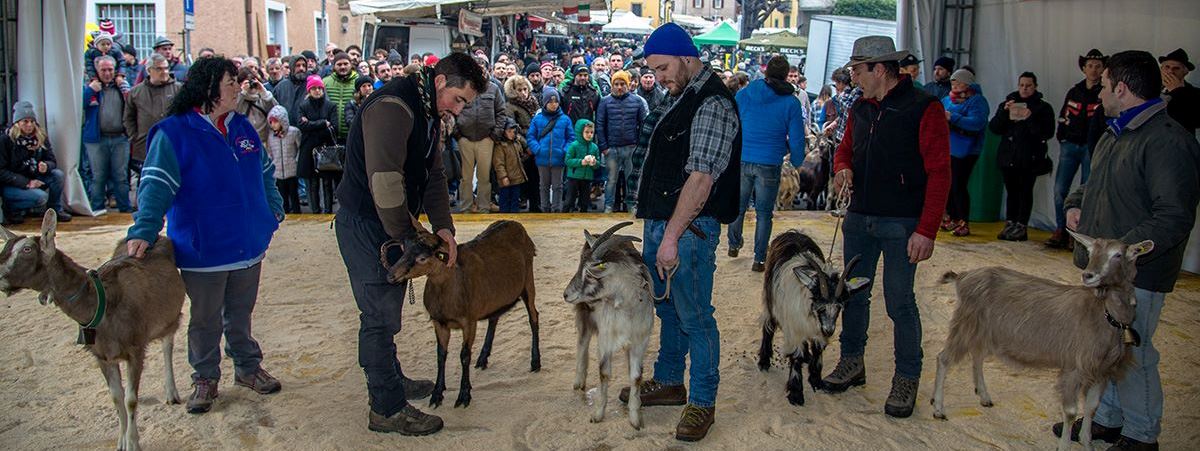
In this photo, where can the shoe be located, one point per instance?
(1020, 232)
(261, 382)
(494, 208)
(416, 388)
(903, 397)
(1059, 240)
(202, 397)
(408, 421)
(694, 423)
(62, 215)
(757, 267)
(947, 224)
(962, 229)
(850, 372)
(1006, 234)
(608, 209)
(656, 394)
(733, 252)
(1128, 444)
(1106, 434)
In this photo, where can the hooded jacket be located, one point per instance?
(148, 104)
(580, 102)
(770, 113)
(515, 109)
(550, 149)
(967, 123)
(284, 150)
(619, 120)
(507, 161)
(290, 92)
(580, 149)
(1023, 142)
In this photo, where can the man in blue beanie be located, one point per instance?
(688, 188)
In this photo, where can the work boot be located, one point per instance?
(850, 372)
(1059, 240)
(202, 397)
(694, 423)
(416, 388)
(1128, 444)
(408, 421)
(902, 398)
(757, 267)
(261, 382)
(657, 394)
(1107, 434)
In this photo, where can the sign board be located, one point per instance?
(470, 22)
(780, 50)
(189, 14)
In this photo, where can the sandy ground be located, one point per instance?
(53, 397)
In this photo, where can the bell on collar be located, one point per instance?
(1131, 337)
(87, 336)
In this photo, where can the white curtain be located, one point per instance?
(50, 37)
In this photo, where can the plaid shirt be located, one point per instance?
(845, 100)
(714, 127)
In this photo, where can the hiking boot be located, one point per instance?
(408, 421)
(1107, 434)
(261, 382)
(657, 394)
(416, 388)
(733, 252)
(850, 372)
(1059, 240)
(902, 398)
(961, 228)
(757, 267)
(202, 397)
(1128, 444)
(694, 423)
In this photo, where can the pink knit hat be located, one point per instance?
(314, 81)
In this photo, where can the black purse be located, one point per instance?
(1042, 165)
(330, 158)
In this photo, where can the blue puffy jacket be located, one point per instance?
(551, 149)
(619, 120)
(768, 116)
(967, 123)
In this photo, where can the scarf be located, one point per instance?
(529, 104)
(28, 141)
(960, 97)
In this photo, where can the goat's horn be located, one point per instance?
(608, 233)
(823, 278)
(417, 224)
(612, 242)
(841, 287)
(383, 251)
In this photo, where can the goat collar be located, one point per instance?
(87, 332)
(1128, 335)
(82, 288)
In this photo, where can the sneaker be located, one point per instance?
(850, 372)
(493, 208)
(416, 388)
(657, 394)
(408, 421)
(62, 215)
(202, 397)
(757, 267)
(261, 382)
(1106, 434)
(1020, 232)
(733, 252)
(1007, 232)
(694, 423)
(608, 209)
(1128, 444)
(902, 398)
(1059, 240)
(947, 224)
(962, 229)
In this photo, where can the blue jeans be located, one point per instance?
(510, 199)
(1135, 402)
(617, 160)
(1071, 157)
(222, 302)
(763, 181)
(867, 237)
(24, 198)
(110, 170)
(688, 326)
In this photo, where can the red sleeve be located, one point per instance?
(935, 151)
(844, 157)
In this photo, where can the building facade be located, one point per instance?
(796, 19)
(650, 9)
(715, 10)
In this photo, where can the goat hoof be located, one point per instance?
(764, 366)
(987, 403)
(173, 400)
(435, 400)
(796, 400)
(596, 419)
(939, 415)
(481, 365)
(579, 386)
(464, 400)
(535, 367)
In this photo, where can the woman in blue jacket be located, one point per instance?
(549, 134)
(967, 111)
(207, 172)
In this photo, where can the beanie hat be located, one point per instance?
(548, 95)
(23, 110)
(945, 62)
(279, 113)
(622, 75)
(130, 50)
(672, 40)
(531, 69)
(314, 81)
(308, 55)
(580, 69)
(777, 68)
(103, 36)
(362, 81)
(431, 60)
(963, 76)
(340, 56)
(107, 25)
(546, 63)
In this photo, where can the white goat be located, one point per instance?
(613, 299)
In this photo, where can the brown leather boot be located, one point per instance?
(694, 423)
(657, 394)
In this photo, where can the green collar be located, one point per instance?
(101, 302)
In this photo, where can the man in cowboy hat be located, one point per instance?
(896, 167)
(1081, 104)
(1183, 99)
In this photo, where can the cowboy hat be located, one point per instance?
(875, 49)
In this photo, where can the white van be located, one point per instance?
(407, 38)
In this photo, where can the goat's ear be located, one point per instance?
(49, 226)
(1085, 240)
(8, 235)
(589, 238)
(805, 278)
(1139, 249)
(856, 283)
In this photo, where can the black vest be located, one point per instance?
(663, 172)
(354, 192)
(889, 172)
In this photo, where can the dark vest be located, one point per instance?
(889, 172)
(663, 172)
(354, 193)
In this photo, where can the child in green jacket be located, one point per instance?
(583, 157)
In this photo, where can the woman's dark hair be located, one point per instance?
(203, 87)
(460, 70)
(246, 73)
(1028, 75)
(841, 75)
(1138, 70)
(777, 68)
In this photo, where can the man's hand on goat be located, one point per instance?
(1073, 218)
(136, 248)
(451, 246)
(920, 248)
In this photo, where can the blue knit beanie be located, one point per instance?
(672, 40)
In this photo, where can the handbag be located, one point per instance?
(330, 158)
(1042, 165)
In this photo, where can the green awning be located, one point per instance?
(724, 34)
(784, 42)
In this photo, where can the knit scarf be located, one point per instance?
(960, 97)
(529, 104)
(28, 141)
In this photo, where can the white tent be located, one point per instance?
(697, 23)
(628, 23)
(427, 8)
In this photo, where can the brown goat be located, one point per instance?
(494, 271)
(144, 298)
(1027, 321)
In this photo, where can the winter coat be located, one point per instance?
(1022, 143)
(653, 97)
(340, 91)
(619, 120)
(484, 117)
(314, 133)
(256, 107)
(939, 89)
(579, 102)
(91, 109)
(89, 61)
(349, 112)
(1079, 107)
(290, 93)
(18, 164)
(513, 109)
(146, 106)
(772, 123)
(1183, 105)
(579, 149)
(967, 123)
(507, 161)
(551, 149)
(284, 151)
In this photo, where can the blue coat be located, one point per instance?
(91, 113)
(967, 123)
(619, 120)
(767, 117)
(550, 150)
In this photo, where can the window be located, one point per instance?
(718, 4)
(135, 21)
(698, 3)
(277, 25)
(787, 21)
(322, 31)
(636, 9)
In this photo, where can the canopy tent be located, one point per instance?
(784, 42)
(693, 22)
(398, 9)
(723, 34)
(624, 22)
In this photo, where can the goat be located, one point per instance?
(144, 298)
(813, 172)
(494, 271)
(789, 186)
(614, 302)
(1028, 321)
(802, 297)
